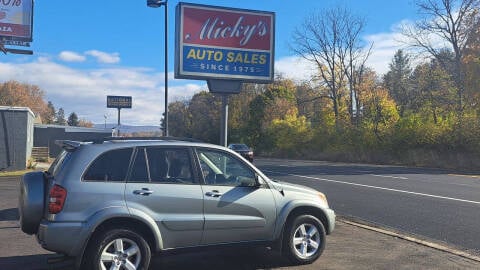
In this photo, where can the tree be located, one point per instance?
(275, 103)
(380, 112)
(238, 111)
(397, 81)
(85, 123)
(434, 91)
(60, 117)
(331, 41)
(50, 114)
(13, 93)
(451, 22)
(72, 119)
(179, 119)
(204, 109)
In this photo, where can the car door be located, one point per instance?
(237, 207)
(163, 185)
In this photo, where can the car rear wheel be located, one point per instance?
(118, 249)
(304, 239)
(31, 201)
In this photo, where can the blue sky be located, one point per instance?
(85, 50)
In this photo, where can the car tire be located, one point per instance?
(31, 201)
(117, 247)
(304, 239)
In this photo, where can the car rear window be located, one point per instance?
(240, 147)
(61, 160)
(110, 166)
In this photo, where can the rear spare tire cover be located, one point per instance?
(31, 201)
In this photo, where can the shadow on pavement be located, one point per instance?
(211, 259)
(226, 258)
(10, 214)
(32, 262)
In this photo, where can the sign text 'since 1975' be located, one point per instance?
(224, 43)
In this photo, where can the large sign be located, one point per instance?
(224, 43)
(119, 102)
(16, 21)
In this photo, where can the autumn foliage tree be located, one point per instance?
(13, 93)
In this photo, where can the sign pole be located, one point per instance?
(118, 123)
(119, 102)
(224, 122)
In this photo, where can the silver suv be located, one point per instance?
(111, 203)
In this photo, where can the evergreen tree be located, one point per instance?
(50, 115)
(60, 117)
(73, 120)
(397, 80)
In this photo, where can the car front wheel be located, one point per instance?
(304, 239)
(118, 249)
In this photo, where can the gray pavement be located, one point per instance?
(349, 247)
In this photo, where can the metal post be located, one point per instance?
(166, 68)
(118, 123)
(224, 123)
(156, 4)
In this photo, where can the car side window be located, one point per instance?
(169, 165)
(139, 169)
(221, 168)
(110, 166)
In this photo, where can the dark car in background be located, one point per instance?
(243, 150)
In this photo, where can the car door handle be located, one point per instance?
(214, 193)
(143, 191)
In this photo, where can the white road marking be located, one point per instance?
(380, 188)
(390, 176)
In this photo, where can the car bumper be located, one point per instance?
(60, 237)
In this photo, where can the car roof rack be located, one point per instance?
(161, 138)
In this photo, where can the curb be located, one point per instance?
(411, 239)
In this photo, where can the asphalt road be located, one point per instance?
(432, 204)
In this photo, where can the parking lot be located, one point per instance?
(349, 247)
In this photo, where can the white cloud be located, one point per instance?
(69, 56)
(295, 68)
(384, 47)
(84, 91)
(103, 57)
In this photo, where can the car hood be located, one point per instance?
(286, 187)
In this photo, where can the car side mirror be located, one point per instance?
(249, 182)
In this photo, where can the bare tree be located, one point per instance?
(330, 39)
(451, 22)
(354, 61)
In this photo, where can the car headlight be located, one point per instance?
(250, 153)
(323, 198)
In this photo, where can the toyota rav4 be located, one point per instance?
(111, 204)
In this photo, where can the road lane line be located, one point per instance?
(390, 176)
(380, 188)
(464, 175)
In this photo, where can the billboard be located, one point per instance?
(16, 22)
(119, 102)
(224, 43)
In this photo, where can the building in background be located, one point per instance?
(16, 137)
(46, 135)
